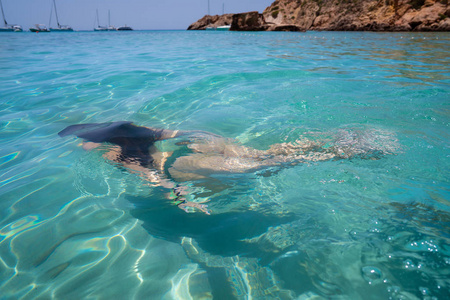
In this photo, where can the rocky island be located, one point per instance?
(338, 15)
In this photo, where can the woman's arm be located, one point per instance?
(153, 176)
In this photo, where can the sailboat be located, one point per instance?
(219, 28)
(100, 28)
(60, 27)
(39, 28)
(9, 27)
(122, 28)
(110, 28)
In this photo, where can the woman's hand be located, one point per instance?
(198, 205)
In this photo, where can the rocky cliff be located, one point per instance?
(361, 15)
(375, 15)
(251, 21)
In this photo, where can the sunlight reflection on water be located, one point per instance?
(75, 226)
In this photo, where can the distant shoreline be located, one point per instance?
(216, 32)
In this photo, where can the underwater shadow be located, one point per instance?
(218, 234)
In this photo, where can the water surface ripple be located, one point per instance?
(73, 226)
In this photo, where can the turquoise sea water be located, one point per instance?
(74, 226)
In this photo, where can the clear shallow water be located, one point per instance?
(73, 226)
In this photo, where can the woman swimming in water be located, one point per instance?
(205, 154)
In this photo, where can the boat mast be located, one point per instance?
(56, 13)
(109, 19)
(50, 20)
(4, 19)
(98, 20)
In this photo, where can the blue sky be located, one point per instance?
(139, 14)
